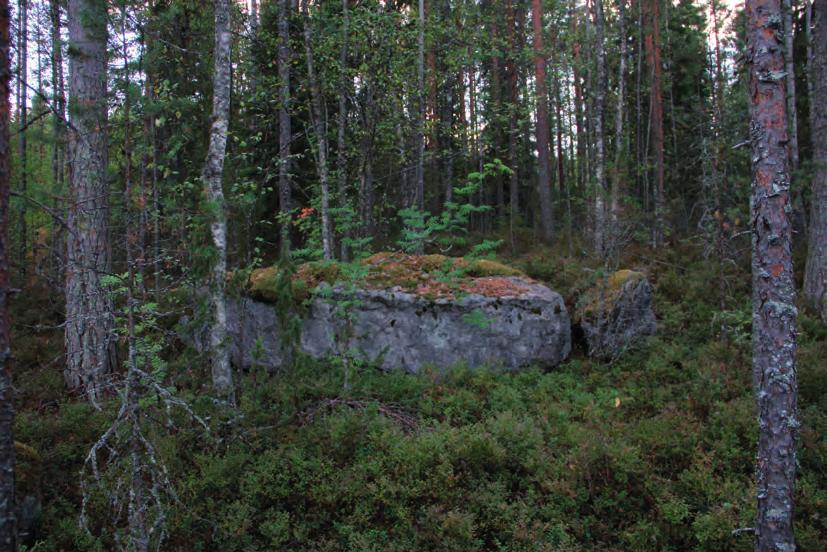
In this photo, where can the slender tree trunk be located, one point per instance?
(222, 377)
(618, 174)
(23, 74)
(600, 146)
(320, 129)
(419, 190)
(90, 345)
(543, 151)
(59, 144)
(564, 184)
(656, 118)
(815, 277)
(774, 310)
(341, 125)
(808, 23)
(285, 132)
(789, 36)
(8, 522)
(511, 70)
(640, 154)
(558, 127)
(496, 108)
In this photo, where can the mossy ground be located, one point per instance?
(652, 452)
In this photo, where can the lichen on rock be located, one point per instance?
(616, 313)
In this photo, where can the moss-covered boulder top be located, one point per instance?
(429, 276)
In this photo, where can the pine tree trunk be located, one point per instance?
(774, 311)
(222, 377)
(815, 277)
(543, 151)
(8, 523)
(90, 344)
(656, 118)
(600, 147)
(285, 132)
(320, 129)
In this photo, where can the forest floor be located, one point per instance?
(653, 451)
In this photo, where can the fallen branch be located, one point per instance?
(407, 422)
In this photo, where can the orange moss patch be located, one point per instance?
(495, 286)
(429, 276)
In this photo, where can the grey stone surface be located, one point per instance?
(613, 321)
(399, 330)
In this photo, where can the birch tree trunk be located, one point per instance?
(285, 132)
(214, 191)
(815, 277)
(419, 191)
(90, 346)
(600, 146)
(8, 522)
(773, 301)
(320, 129)
(617, 175)
(543, 151)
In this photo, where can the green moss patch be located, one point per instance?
(603, 295)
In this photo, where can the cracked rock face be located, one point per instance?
(525, 324)
(616, 314)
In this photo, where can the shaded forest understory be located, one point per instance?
(166, 164)
(652, 452)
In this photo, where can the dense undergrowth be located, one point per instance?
(652, 452)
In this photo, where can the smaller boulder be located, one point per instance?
(616, 313)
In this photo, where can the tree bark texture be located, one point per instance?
(341, 126)
(617, 174)
(652, 43)
(419, 191)
(8, 523)
(789, 35)
(58, 128)
(600, 145)
(815, 277)
(543, 151)
(774, 311)
(213, 172)
(23, 109)
(90, 346)
(285, 132)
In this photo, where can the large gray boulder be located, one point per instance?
(616, 314)
(520, 323)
